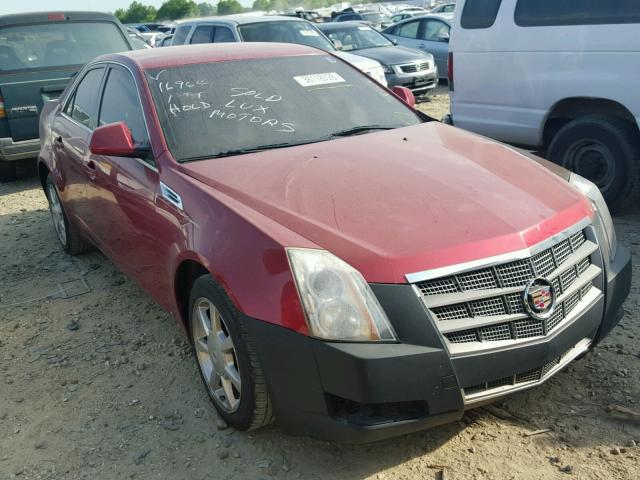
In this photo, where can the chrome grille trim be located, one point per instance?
(493, 389)
(498, 259)
(483, 309)
(415, 67)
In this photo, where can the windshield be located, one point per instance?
(375, 17)
(285, 31)
(358, 37)
(57, 44)
(216, 109)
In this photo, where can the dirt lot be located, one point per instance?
(102, 385)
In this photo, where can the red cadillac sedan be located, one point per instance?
(341, 262)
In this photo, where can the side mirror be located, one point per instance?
(337, 43)
(443, 37)
(115, 140)
(404, 94)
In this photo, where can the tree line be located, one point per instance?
(138, 12)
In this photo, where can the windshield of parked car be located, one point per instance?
(226, 108)
(358, 37)
(375, 17)
(57, 44)
(285, 31)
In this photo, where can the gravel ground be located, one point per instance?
(102, 385)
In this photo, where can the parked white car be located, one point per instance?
(559, 77)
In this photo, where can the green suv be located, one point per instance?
(39, 54)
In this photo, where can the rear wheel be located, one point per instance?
(604, 150)
(7, 171)
(228, 364)
(70, 239)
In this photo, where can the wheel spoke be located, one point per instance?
(228, 390)
(231, 374)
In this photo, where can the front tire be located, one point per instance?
(604, 150)
(226, 358)
(71, 240)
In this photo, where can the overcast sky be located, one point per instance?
(17, 6)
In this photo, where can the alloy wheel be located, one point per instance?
(216, 355)
(57, 215)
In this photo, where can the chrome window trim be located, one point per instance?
(106, 65)
(144, 117)
(488, 262)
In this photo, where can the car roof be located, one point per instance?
(176, 56)
(338, 25)
(241, 19)
(43, 17)
(421, 17)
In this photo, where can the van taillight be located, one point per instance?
(450, 71)
(3, 112)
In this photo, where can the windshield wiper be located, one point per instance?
(357, 130)
(242, 151)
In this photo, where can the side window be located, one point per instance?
(181, 35)
(409, 29)
(203, 34)
(84, 107)
(537, 13)
(435, 30)
(479, 13)
(120, 103)
(449, 9)
(223, 35)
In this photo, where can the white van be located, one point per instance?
(562, 77)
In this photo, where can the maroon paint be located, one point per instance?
(412, 199)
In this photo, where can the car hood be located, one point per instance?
(392, 55)
(362, 63)
(402, 201)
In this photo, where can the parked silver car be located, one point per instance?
(428, 33)
(267, 28)
(405, 67)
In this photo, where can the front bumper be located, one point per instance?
(358, 393)
(418, 82)
(10, 150)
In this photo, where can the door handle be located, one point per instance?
(58, 142)
(91, 165)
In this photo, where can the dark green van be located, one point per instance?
(39, 54)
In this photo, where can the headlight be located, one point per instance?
(603, 222)
(387, 68)
(338, 302)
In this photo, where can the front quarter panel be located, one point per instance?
(242, 249)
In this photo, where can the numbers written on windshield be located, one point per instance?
(240, 104)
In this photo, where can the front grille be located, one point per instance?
(522, 379)
(534, 375)
(415, 67)
(474, 309)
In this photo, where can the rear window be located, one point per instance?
(213, 110)
(479, 13)
(537, 13)
(57, 44)
(293, 31)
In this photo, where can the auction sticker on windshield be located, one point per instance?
(309, 33)
(319, 79)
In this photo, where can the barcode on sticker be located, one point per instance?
(318, 79)
(309, 33)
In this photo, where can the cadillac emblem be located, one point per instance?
(539, 299)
